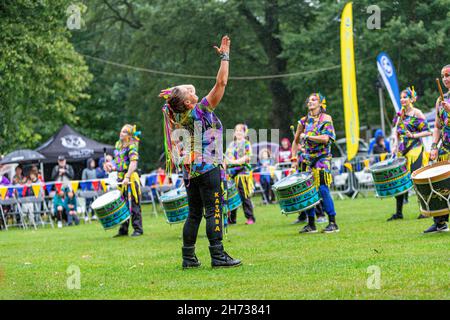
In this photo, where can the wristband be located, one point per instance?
(434, 146)
(225, 56)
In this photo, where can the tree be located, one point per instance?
(43, 77)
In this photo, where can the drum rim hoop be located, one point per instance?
(376, 170)
(109, 192)
(437, 178)
(275, 187)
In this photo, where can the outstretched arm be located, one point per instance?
(215, 95)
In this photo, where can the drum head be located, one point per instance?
(292, 180)
(173, 195)
(387, 164)
(105, 199)
(433, 172)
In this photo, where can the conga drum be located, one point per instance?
(175, 205)
(391, 177)
(111, 209)
(296, 193)
(432, 185)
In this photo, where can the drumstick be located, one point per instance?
(129, 197)
(441, 93)
(292, 130)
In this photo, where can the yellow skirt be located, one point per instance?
(135, 184)
(328, 178)
(413, 155)
(247, 183)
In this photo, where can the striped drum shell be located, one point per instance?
(111, 209)
(296, 193)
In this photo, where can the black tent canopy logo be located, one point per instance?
(71, 141)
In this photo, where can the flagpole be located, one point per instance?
(381, 98)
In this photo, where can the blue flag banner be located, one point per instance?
(387, 72)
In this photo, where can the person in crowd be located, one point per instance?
(378, 141)
(238, 156)
(19, 177)
(410, 127)
(285, 152)
(380, 146)
(62, 171)
(4, 181)
(59, 208)
(89, 173)
(70, 203)
(100, 170)
(126, 158)
(266, 162)
(316, 131)
(441, 133)
(201, 168)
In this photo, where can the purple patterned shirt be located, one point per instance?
(444, 120)
(318, 155)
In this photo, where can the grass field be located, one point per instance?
(278, 263)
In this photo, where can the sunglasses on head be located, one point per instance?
(446, 74)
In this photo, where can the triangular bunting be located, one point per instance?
(383, 156)
(19, 191)
(174, 178)
(25, 190)
(257, 176)
(95, 185)
(3, 191)
(83, 185)
(74, 185)
(366, 163)
(161, 178)
(58, 186)
(10, 192)
(36, 189)
(103, 182)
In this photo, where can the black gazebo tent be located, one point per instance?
(74, 146)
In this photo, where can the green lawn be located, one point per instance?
(278, 262)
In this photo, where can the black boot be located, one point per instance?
(219, 258)
(189, 258)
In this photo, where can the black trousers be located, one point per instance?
(204, 196)
(441, 219)
(266, 184)
(136, 215)
(247, 205)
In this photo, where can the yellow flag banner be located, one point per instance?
(75, 185)
(383, 156)
(36, 189)
(349, 82)
(3, 191)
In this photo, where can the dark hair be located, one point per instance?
(176, 100)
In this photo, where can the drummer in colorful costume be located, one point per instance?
(126, 157)
(441, 134)
(410, 127)
(316, 130)
(200, 159)
(238, 156)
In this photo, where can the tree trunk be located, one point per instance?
(268, 36)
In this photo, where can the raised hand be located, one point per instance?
(224, 46)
